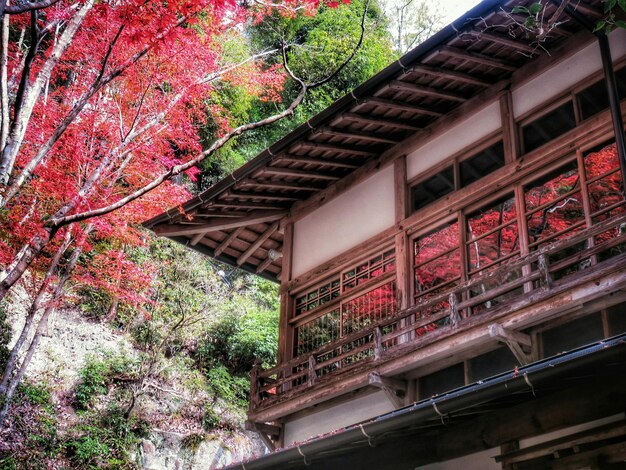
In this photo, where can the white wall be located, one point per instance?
(344, 222)
(566, 74)
(472, 129)
(336, 417)
(479, 461)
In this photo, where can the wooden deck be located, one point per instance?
(593, 259)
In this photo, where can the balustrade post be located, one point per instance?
(312, 373)
(544, 270)
(454, 311)
(378, 343)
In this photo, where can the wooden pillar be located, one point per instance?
(400, 189)
(403, 278)
(285, 332)
(510, 139)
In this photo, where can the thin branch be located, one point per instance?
(25, 7)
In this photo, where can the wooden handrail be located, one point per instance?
(375, 339)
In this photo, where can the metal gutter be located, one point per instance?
(427, 47)
(522, 379)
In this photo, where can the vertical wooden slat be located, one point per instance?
(312, 374)
(400, 189)
(378, 343)
(522, 228)
(544, 269)
(510, 138)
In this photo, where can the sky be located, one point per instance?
(454, 8)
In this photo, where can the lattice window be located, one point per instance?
(369, 269)
(318, 296)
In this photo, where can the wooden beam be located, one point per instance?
(218, 224)
(268, 433)
(449, 74)
(259, 241)
(288, 185)
(225, 244)
(349, 134)
(378, 121)
(315, 175)
(478, 58)
(395, 389)
(518, 343)
(401, 106)
(268, 196)
(339, 148)
(397, 85)
(304, 159)
(245, 205)
(506, 41)
(586, 9)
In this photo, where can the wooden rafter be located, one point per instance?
(225, 213)
(519, 343)
(244, 205)
(226, 243)
(395, 389)
(259, 241)
(272, 170)
(425, 91)
(338, 148)
(401, 106)
(217, 224)
(286, 185)
(506, 41)
(267, 196)
(478, 58)
(337, 163)
(378, 121)
(448, 74)
(335, 132)
(586, 9)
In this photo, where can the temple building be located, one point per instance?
(450, 243)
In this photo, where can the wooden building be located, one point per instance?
(450, 242)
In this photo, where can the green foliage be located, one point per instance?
(94, 302)
(104, 439)
(36, 394)
(232, 389)
(611, 19)
(96, 376)
(210, 419)
(192, 441)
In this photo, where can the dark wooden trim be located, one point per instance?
(401, 106)
(296, 173)
(258, 242)
(449, 74)
(398, 85)
(478, 58)
(378, 121)
(350, 134)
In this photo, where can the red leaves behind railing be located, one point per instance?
(405, 329)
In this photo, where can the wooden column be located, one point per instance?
(509, 129)
(285, 332)
(400, 189)
(403, 278)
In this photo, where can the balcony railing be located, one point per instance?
(538, 272)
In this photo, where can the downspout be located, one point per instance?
(611, 85)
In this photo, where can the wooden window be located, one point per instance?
(548, 126)
(318, 296)
(442, 381)
(318, 332)
(554, 206)
(357, 297)
(604, 182)
(573, 334)
(594, 98)
(433, 188)
(491, 363)
(436, 260)
(616, 316)
(373, 267)
(492, 235)
(481, 164)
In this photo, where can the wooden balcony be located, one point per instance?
(581, 258)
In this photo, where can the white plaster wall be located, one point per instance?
(344, 222)
(479, 461)
(565, 74)
(336, 417)
(469, 131)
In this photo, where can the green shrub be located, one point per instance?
(232, 389)
(97, 375)
(210, 419)
(87, 450)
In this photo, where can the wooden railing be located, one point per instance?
(407, 328)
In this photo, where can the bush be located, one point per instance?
(232, 389)
(97, 375)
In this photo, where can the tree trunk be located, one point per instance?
(34, 308)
